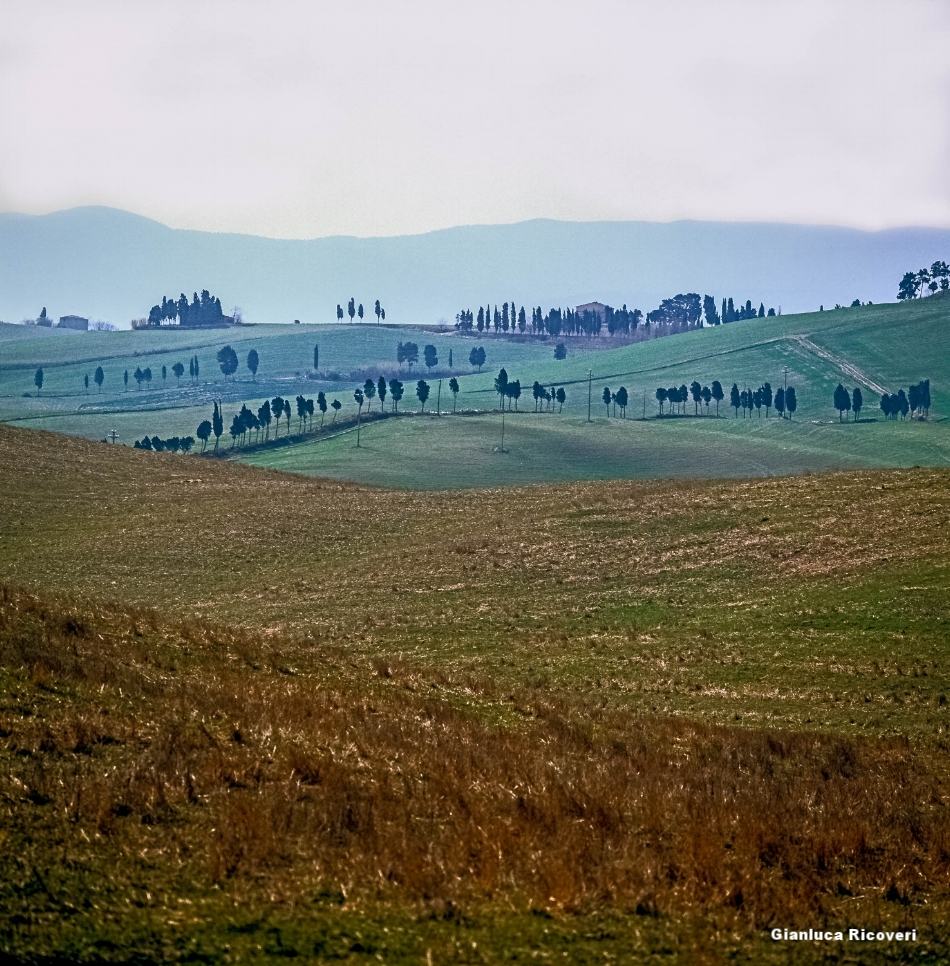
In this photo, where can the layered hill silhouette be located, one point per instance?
(107, 264)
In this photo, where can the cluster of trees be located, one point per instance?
(679, 396)
(783, 400)
(142, 375)
(846, 401)
(555, 323)
(408, 352)
(509, 392)
(228, 362)
(731, 313)
(174, 444)
(203, 310)
(895, 405)
(618, 398)
(258, 422)
(919, 398)
(915, 284)
(353, 310)
(547, 397)
(915, 401)
(678, 314)
(506, 388)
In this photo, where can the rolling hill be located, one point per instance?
(878, 348)
(246, 715)
(874, 347)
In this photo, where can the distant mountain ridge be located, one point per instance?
(107, 264)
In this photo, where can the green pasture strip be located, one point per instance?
(426, 452)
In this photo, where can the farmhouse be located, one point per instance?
(76, 322)
(595, 308)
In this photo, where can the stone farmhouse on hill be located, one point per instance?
(76, 322)
(595, 308)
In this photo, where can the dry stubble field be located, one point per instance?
(572, 721)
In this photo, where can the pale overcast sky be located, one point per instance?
(305, 119)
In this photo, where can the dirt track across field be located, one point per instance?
(846, 367)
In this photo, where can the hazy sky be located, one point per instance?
(303, 119)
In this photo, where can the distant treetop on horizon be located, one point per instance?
(915, 284)
(202, 311)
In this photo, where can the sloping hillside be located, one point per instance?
(875, 347)
(244, 714)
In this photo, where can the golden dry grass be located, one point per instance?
(193, 752)
(248, 691)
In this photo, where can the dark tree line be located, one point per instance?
(918, 398)
(915, 402)
(786, 401)
(845, 401)
(680, 396)
(174, 444)
(783, 400)
(730, 313)
(678, 314)
(509, 392)
(894, 406)
(142, 375)
(619, 398)
(248, 422)
(544, 399)
(202, 310)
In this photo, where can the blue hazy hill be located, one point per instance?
(108, 264)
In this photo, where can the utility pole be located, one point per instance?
(113, 436)
(438, 405)
(503, 427)
(590, 376)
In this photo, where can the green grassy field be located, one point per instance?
(286, 354)
(425, 452)
(885, 347)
